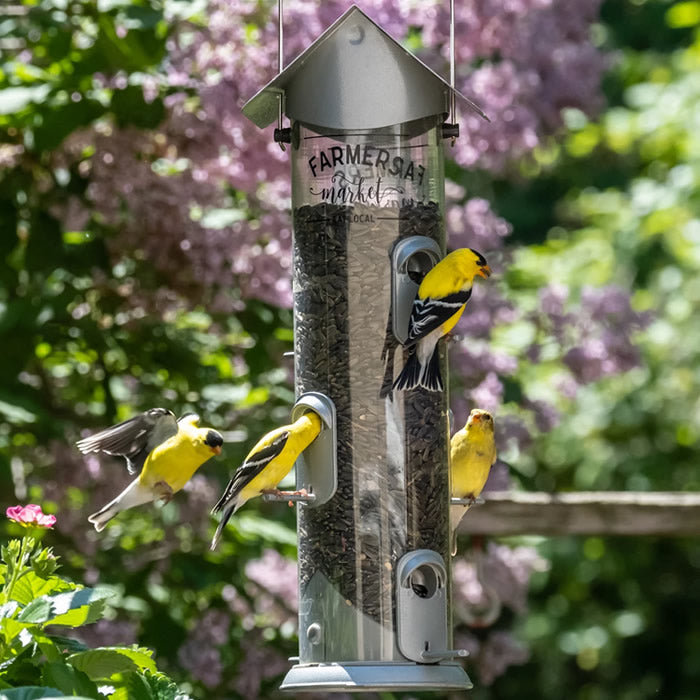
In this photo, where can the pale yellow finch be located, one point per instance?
(472, 453)
(165, 450)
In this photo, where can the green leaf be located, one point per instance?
(73, 608)
(103, 663)
(133, 686)
(31, 586)
(36, 612)
(46, 644)
(147, 686)
(31, 692)
(10, 630)
(66, 644)
(68, 679)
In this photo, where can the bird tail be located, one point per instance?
(228, 512)
(415, 374)
(133, 495)
(457, 512)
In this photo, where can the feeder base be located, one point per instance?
(362, 677)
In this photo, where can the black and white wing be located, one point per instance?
(254, 464)
(429, 313)
(191, 417)
(133, 439)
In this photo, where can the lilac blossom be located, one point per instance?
(148, 184)
(259, 662)
(492, 656)
(483, 582)
(200, 654)
(501, 569)
(273, 584)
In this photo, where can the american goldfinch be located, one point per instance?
(472, 453)
(439, 303)
(266, 465)
(165, 450)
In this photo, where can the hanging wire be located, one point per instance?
(280, 62)
(452, 60)
(453, 98)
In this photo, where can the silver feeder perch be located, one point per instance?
(367, 128)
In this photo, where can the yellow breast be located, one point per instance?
(470, 463)
(174, 461)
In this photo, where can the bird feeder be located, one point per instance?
(366, 136)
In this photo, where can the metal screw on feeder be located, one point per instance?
(367, 122)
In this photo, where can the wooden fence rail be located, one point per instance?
(665, 513)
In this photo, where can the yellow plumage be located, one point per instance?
(441, 299)
(472, 453)
(177, 459)
(270, 460)
(454, 273)
(166, 452)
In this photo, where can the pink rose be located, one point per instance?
(30, 515)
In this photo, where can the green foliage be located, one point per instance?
(32, 603)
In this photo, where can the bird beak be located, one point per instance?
(216, 450)
(484, 271)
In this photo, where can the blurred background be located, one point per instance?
(145, 261)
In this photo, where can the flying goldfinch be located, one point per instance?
(165, 450)
(472, 454)
(439, 303)
(266, 465)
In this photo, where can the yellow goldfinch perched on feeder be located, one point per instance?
(472, 454)
(266, 465)
(166, 451)
(441, 298)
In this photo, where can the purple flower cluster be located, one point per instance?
(500, 572)
(593, 337)
(200, 654)
(484, 582)
(169, 193)
(522, 82)
(493, 655)
(273, 584)
(603, 329)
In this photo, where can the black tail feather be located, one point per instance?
(431, 378)
(410, 374)
(414, 374)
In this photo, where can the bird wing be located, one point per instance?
(133, 439)
(191, 416)
(430, 313)
(254, 464)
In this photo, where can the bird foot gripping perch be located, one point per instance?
(471, 501)
(292, 497)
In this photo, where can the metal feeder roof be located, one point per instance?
(354, 76)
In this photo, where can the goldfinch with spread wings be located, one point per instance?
(472, 454)
(166, 451)
(266, 465)
(439, 303)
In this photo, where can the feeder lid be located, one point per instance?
(354, 76)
